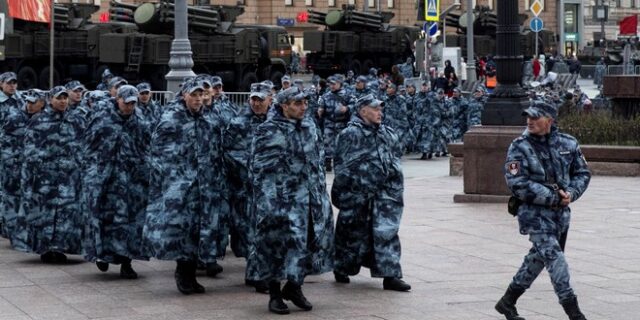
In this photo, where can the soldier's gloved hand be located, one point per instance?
(343, 109)
(565, 197)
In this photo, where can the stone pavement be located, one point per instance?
(459, 258)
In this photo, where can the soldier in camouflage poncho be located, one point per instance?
(49, 221)
(335, 107)
(459, 114)
(290, 205)
(368, 191)
(221, 103)
(476, 106)
(429, 123)
(237, 147)
(115, 184)
(150, 108)
(11, 148)
(545, 171)
(186, 189)
(396, 117)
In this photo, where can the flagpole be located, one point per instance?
(51, 44)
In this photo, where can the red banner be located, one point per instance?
(30, 10)
(629, 25)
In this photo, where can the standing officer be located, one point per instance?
(75, 89)
(293, 218)
(185, 190)
(149, 107)
(115, 184)
(397, 117)
(368, 191)
(49, 221)
(9, 96)
(545, 171)
(237, 147)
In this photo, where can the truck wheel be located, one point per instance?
(276, 77)
(44, 78)
(356, 67)
(247, 80)
(368, 64)
(27, 78)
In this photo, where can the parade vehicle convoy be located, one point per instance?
(135, 43)
(356, 41)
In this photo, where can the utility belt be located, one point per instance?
(514, 202)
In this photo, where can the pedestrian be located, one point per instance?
(222, 105)
(545, 171)
(291, 207)
(49, 221)
(105, 78)
(151, 109)
(536, 68)
(368, 189)
(601, 70)
(397, 117)
(237, 150)
(335, 108)
(187, 188)
(115, 183)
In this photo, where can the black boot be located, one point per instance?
(424, 156)
(341, 278)
(53, 257)
(260, 286)
(293, 292)
(126, 271)
(395, 284)
(572, 310)
(182, 276)
(102, 266)
(197, 288)
(213, 269)
(507, 304)
(430, 155)
(276, 305)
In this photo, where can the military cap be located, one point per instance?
(350, 73)
(117, 81)
(74, 85)
(260, 90)
(339, 77)
(457, 90)
(373, 71)
(285, 79)
(540, 109)
(362, 79)
(368, 101)
(401, 88)
(425, 83)
(34, 95)
(58, 91)
(315, 79)
(143, 87)
(298, 82)
(215, 81)
(410, 84)
(481, 88)
(106, 73)
(8, 76)
(128, 93)
(96, 95)
(290, 94)
(334, 79)
(192, 85)
(392, 85)
(205, 79)
(440, 90)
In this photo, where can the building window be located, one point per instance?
(351, 2)
(288, 3)
(331, 3)
(372, 3)
(308, 3)
(390, 4)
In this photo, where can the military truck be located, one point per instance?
(136, 43)
(356, 41)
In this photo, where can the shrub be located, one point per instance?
(601, 128)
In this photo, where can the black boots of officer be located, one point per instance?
(186, 277)
(126, 271)
(507, 304)
(53, 257)
(395, 284)
(572, 310)
(213, 269)
(290, 291)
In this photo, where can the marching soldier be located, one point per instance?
(335, 108)
(115, 184)
(151, 110)
(396, 117)
(291, 208)
(368, 189)
(49, 221)
(545, 171)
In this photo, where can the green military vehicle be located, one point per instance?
(136, 42)
(356, 41)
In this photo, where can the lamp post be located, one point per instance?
(471, 68)
(180, 61)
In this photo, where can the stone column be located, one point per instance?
(180, 62)
(508, 99)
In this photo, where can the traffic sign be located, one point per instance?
(432, 10)
(433, 29)
(536, 24)
(1, 26)
(536, 7)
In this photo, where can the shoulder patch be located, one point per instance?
(513, 167)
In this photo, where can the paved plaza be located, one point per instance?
(459, 258)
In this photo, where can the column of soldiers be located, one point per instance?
(116, 177)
